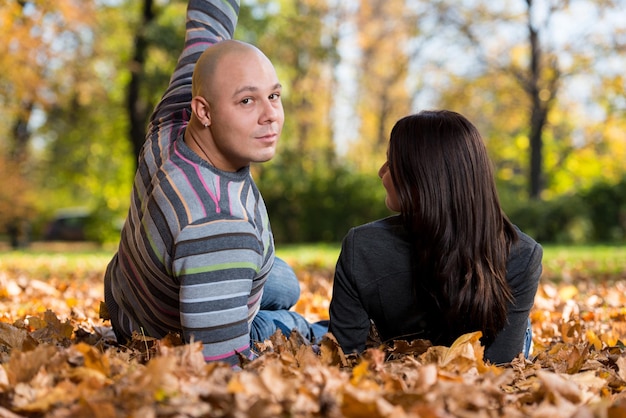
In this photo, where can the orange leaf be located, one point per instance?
(94, 359)
(359, 372)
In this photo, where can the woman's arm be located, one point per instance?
(349, 322)
(524, 269)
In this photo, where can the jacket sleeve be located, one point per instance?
(523, 271)
(349, 322)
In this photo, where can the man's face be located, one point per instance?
(245, 108)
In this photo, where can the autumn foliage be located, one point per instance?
(59, 359)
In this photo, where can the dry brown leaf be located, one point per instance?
(24, 365)
(331, 352)
(556, 387)
(12, 337)
(413, 348)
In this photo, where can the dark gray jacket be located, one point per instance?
(373, 281)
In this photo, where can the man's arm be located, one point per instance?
(207, 23)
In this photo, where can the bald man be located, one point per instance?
(196, 254)
(237, 112)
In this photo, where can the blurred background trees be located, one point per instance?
(543, 81)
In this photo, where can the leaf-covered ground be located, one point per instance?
(58, 359)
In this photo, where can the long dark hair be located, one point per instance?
(460, 236)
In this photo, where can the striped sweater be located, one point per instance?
(196, 247)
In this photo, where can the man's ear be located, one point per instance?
(201, 109)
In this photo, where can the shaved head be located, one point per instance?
(237, 113)
(209, 64)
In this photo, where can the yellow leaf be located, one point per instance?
(465, 353)
(463, 346)
(93, 358)
(71, 302)
(593, 339)
(609, 339)
(359, 372)
(568, 292)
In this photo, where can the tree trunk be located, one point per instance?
(538, 120)
(21, 133)
(538, 111)
(137, 107)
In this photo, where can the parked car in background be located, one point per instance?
(67, 225)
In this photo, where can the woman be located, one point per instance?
(451, 262)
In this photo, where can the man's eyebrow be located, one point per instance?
(255, 89)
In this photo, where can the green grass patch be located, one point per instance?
(559, 262)
(557, 259)
(54, 264)
(600, 262)
(315, 255)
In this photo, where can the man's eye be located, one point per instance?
(245, 101)
(274, 96)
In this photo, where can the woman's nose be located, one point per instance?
(383, 169)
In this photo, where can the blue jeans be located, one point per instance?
(280, 294)
(528, 340)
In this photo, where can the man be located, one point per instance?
(197, 249)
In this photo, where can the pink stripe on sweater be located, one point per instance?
(215, 199)
(226, 355)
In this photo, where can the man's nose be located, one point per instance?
(271, 111)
